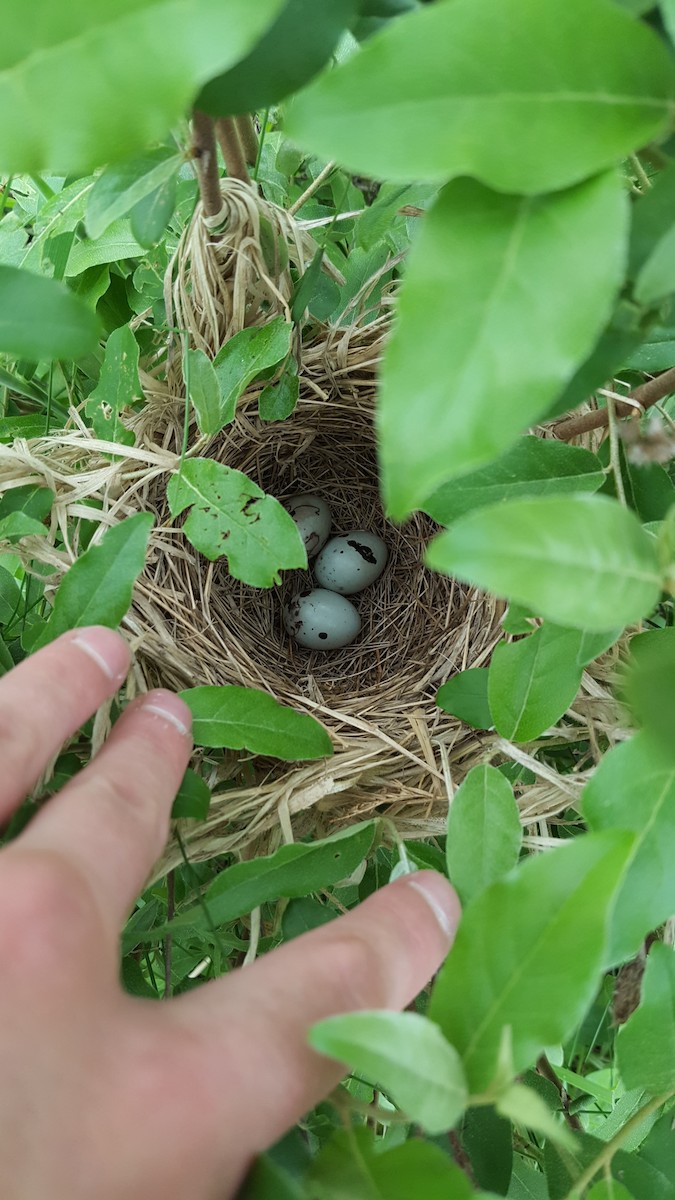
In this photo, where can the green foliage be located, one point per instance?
(97, 589)
(117, 389)
(295, 870)
(484, 833)
(244, 718)
(278, 400)
(525, 1106)
(350, 1167)
(532, 467)
(98, 90)
(121, 187)
(466, 696)
(529, 953)
(537, 191)
(581, 561)
(646, 1043)
(293, 50)
(533, 681)
(634, 788)
(246, 355)
(538, 122)
(40, 318)
(193, 798)
(204, 391)
(649, 687)
(231, 516)
(406, 1056)
(504, 338)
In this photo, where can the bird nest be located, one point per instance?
(396, 754)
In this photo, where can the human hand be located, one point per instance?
(102, 1094)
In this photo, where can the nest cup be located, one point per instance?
(397, 754)
(377, 696)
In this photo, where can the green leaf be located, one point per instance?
(649, 687)
(295, 870)
(204, 390)
(455, 89)
(193, 798)
(231, 516)
(652, 219)
(30, 426)
(533, 681)
(582, 561)
(278, 401)
(290, 53)
(609, 1189)
(658, 1147)
(526, 1183)
(406, 1056)
(86, 85)
(592, 645)
(620, 338)
(117, 389)
(466, 696)
(563, 1167)
(634, 788)
(97, 589)
(246, 355)
(303, 914)
(33, 501)
(268, 1181)
(529, 953)
(488, 1139)
(112, 246)
(657, 278)
(524, 1106)
(150, 217)
(494, 363)
(120, 187)
(247, 719)
(646, 1043)
(532, 467)
(41, 319)
(350, 1167)
(10, 595)
(17, 525)
(484, 832)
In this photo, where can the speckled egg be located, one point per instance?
(312, 517)
(350, 563)
(322, 620)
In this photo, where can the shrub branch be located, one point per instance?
(646, 395)
(205, 156)
(230, 144)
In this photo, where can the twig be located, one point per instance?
(309, 191)
(205, 156)
(544, 1068)
(248, 138)
(646, 395)
(230, 144)
(607, 1154)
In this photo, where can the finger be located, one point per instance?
(254, 1023)
(111, 821)
(48, 697)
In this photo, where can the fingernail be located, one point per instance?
(439, 896)
(169, 706)
(106, 648)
